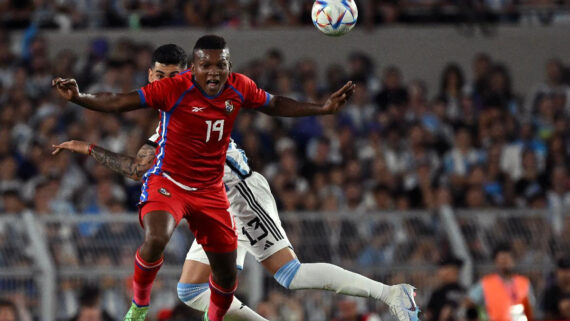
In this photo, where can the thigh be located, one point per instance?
(257, 219)
(194, 272)
(197, 254)
(160, 195)
(210, 221)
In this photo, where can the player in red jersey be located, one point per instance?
(198, 109)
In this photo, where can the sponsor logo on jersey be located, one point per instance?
(197, 109)
(229, 106)
(164, 191)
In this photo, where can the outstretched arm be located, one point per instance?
(131, 167)
(286, 107)
(104, 102)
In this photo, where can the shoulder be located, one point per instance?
(239, 80)
(522, 279)
(237, 77)
(185, 77)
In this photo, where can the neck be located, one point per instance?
(507, 275)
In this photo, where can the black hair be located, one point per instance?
(210, 42)
(170, 54)
(11, 193)
(502, 248)
(449, 69)
(89, 296)
(563, 262)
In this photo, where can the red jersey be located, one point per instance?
(195, 128)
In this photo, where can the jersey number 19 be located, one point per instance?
(217, 126)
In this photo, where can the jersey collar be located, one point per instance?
(204, 93)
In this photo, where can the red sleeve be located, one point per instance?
(164, 94)
(253, 96)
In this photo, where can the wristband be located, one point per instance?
(90, 149)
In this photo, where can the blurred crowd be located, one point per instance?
(80, 14)
(473, 144)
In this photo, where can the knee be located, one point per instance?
(190, 293)
(156, 242)
(225, 278)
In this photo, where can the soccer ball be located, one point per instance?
(334, 17)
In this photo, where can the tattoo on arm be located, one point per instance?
(131, 167)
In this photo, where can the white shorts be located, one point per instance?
(257, 221)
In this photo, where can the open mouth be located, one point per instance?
(211, 83)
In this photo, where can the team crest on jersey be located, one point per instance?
(164, 191)
(229, 106)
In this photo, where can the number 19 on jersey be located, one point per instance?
(216, 126)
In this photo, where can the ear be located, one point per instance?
(192, 68)
(149, 75)
(230, 66)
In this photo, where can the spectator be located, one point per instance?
(553, 84)
(417, 104)
(381, 250)
(552, 303)
(360, 111)
(558, 197)
(498, 186)
(545, 116)
(449, 295)
(12, 203)
(557, 153)
(459, 161)
(532, 182)
(382, 198)
(8, 311)
(319, 158)
(90, 306)
(451, 89)
(564, 307)
(361, 66)
(481, 67)
(504, 295)
(393, 92)
(500, 90)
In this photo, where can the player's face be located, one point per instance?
(159, 71)
(211, 68)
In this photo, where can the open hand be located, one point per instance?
(75, 146)
(339, 98)
(67, 88)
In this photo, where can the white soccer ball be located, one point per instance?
(334, 17)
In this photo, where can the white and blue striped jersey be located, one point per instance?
(236, 167)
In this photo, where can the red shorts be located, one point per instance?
(206, 211)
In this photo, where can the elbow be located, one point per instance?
(136, 177)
